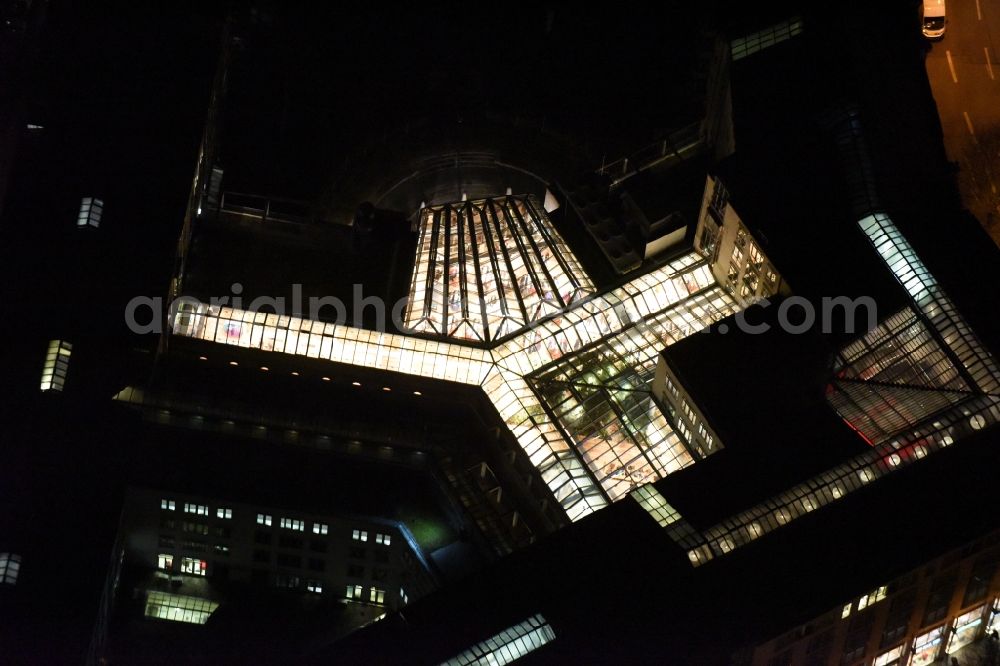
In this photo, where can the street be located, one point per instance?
(964, 73)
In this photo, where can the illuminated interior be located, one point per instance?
(917, 440)
(486, 269)
(507, 646)
(585, 463)
(179, 607)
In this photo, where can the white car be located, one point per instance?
(934, 19)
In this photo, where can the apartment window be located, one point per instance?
(289, 542)
(192, 565)
(264, 519)
(261, 556)
(165, 562)
(91, 210)
(293, 524)
(222, 549)
(403, 599)
(197, 528)
(379, 573)
(318, 546)
(225, 514)
(168, 505)
(316, 565)
(286, 560)
(321, 528)
(845, 611)
(284, 580)
(315, 586)
(263, 538)
(359, 535)
(56, 365)
(353, 591)
(897, 622)
(383, 539)
(198, 509)
(167, 541)
(381, 556)
(356, 570)
(223, 532)
(376, 595)
(508, 645)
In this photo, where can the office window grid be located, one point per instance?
(197, 509)
(91, 211)
(508, 645)
(10, 567)
(56, 365)
(179, 607)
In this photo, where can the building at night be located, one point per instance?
(677, 370)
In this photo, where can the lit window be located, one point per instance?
(192, 565)
(403, 599)
(168, 505)
(321, 528)
(846, 611)
(508, 645)
(872, 598)
(179, 608)
(315, 586)
(222, 548)
(91, 210)
(165, 562)
(292, 524)
(197, 509)
(376, 595)
(226, 514)
(10, 566)
(359, 535)
(264, 519)
(383, 539)
(353, 592)
(56, 365)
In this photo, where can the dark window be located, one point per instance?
(379, 573)
(783, 659)
(381, 556)
(317, 546)
(355, 571)
(316, 565)
(939, 598)
(818, 648)
(166, 541)
(286, 560)
(357, 552)
(262, 537)
(289, 542)
(979, 582)
(858, 634)
(168, 523)
(224, 532)
(897, 621)
(261, 556)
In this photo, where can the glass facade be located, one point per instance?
(486, 269)
(508, 645)
(621, 441)
(940, 333)
(179, 607)
(56, 365)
